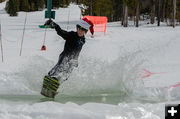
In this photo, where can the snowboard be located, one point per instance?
(50, 87)
(44, 26)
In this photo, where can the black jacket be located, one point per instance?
(73, 43)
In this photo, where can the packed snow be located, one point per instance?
(126, 73)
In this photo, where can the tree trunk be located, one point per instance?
(125, 16)
(91, 13)
(137, 15)
(153, 11)
(159, 11)
(122, 18)
(163, 10)
(134, 17)
(166, 11)
(174, 13)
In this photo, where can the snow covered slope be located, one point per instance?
(128, 73)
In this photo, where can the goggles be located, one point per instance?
(81, 28)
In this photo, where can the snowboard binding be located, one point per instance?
(50, 86)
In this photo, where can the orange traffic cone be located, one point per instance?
(43, 48)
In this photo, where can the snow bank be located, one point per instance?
(51, 110)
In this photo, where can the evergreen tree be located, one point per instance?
(39, 4)
(32, 5)
(67, 2)
(178, 11)
(99, 8)
(118, 10)
(45, 2)
(11, 7)
(17, 2)
(57, 3)
(24, 5)
(90, 6)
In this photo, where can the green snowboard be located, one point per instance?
(44, 26)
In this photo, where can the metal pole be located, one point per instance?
(23, 35)
(1, 43)
(44, 37)
(68, 19)
(49, 7)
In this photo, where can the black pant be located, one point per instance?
(62, 69)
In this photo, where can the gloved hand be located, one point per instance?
(48, 22)
(51, 23)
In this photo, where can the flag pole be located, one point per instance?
(23, 34)
(1, 43)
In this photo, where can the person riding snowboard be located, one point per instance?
(68, 59)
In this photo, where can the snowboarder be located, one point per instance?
(68, 59)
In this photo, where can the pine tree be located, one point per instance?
(17, 2)
(39, 4)
(11, 7)
(56, 3)
(67, 2)
(99, 8)
(45, 2)
(103, 8)
(90, 4)
(118, 10)
(24, 5)
(33, 7)
(178, 11)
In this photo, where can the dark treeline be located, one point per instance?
(116, 10)
(124, 10)
(14, 6)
